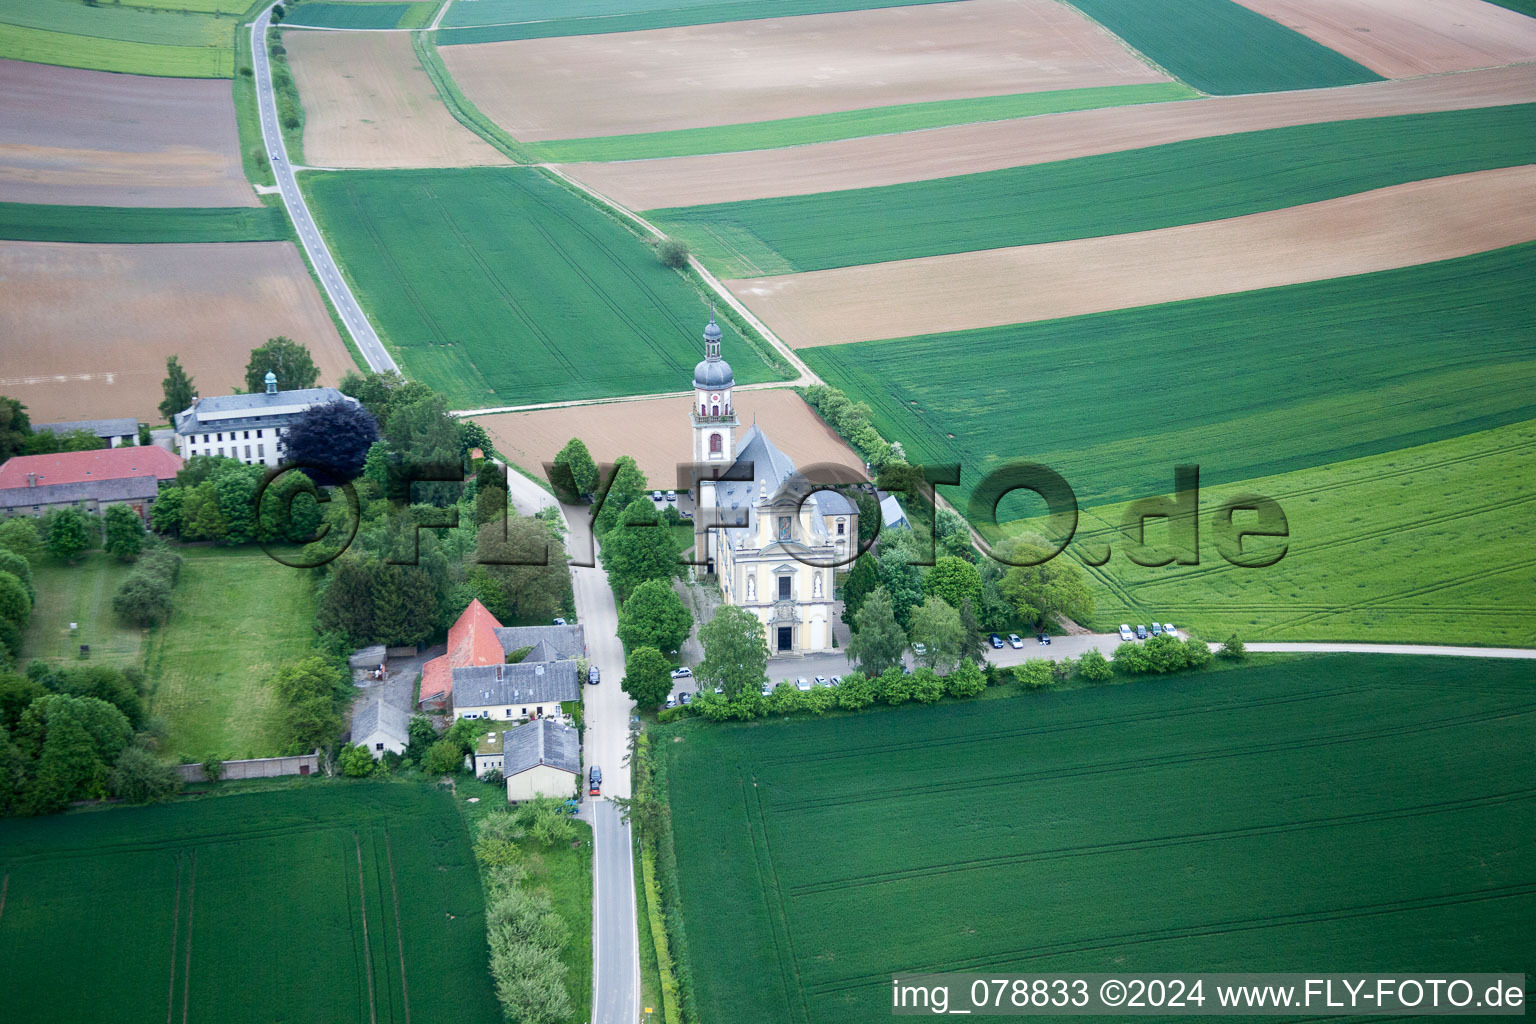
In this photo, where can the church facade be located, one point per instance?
(771, 547)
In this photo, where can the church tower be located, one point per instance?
(713, 416)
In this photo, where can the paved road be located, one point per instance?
(607, 708)
(342, 299)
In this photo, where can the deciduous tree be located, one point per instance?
(287, 359)
(177, 388)
(575, 472)
(936, 625)
(878, 642)
(735, 652)
(67, 533)
(647, 676)
(654, 616)
(638, 549)
(1037, 592)
(124, 531)
(334, 436)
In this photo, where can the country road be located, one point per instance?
(342, 300)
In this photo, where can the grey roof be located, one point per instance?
(133, 488)
(367, 657)
(101, 428)
(713, 373)
(891, 513)
(541, 652)
(772, 471)
(531, 682)
(378, 717)
(560, 641)
(544, 742)
(236, 412)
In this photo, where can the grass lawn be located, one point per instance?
(565, 872)
(366, 898)
(238, 617)
(181, 40)
(82, 594)
(1168, 824)
(1109, 194)
(497, 286)
(36, 222)
(1222, 47)
(851, 124)
(494, 20)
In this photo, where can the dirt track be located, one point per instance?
(734, 72)
(1393, 227)
(367, 103)
(1398, 38)
(531, 438)
(89, 138)
(965, 149)
(88, 327)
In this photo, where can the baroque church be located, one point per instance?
(772, 548)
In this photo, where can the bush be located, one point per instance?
(673, 253)
(1130, 659)
(355, 761)
(965, 681)
(927, 687)
(214, 769)
(443, 757)
(1035, 673)
(139, 777)
(1197, 653)
(1094, 667)
(1233, 649)
(666, 715)
(142, 600)
(854, 693)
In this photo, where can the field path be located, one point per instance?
(1383, 229)
(342, 299)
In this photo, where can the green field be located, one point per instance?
(1221, 47)
(1109, 194)
(191, 40)
(238, 617)
(851, 124)
(1527, 7)
(1427, 543)
(1243, 385)
(36, 222)
(1356, 813)
(485, 21)
(326, 902)
(361, 15)
(497, 286)
(82, 594)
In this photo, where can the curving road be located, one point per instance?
(342, 299)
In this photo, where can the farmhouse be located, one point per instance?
(527, 690)
(478, 640)
(90, 481)
(541, 758)
(115, 432)
(778, 542)
(247, 427)
(380, 727)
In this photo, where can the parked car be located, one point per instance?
(997, 642)
(1015, 641)
(835, 681)
(919, 649)
(1168, 628)
(686, 696)
(671, 495)
(821, 681)
(559, 622)
(767, 689)
(719, 689)
(655, 495)
(1157, 629)
(1044, 639)
(593, 676)
(1125, 632)
(682, 672)
(671, 702)
(594, 781)
(1141, 631)
(802, 683)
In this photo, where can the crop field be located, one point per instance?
(237, 619)
(484, 21)
(499, 287)
(850, 124)
(1019, 836)
(1220, 47)
(1244, 385)
(1426, 541)
(995, 145)
(706, 75)
(36, 222)
(209, 303)
(368, 103)
(362, 15)
(184, 41)
(1400, 226)
(1398, 38)
(1115, 193)
(367, 893)
(91, 138)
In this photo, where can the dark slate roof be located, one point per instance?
(238, 412)
(560, 641)
(772, 470)
(133, 488)
(542, 682)
(713, 373)
(101, 428)
(544, 742)
(380, 717)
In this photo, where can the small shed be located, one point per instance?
(380, 727)
(542, 758)
(489, 753)
(369, 663)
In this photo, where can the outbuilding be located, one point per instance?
(542, 758)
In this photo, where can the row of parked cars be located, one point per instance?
(1142, 632)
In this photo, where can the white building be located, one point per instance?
(247, 427)
(541, 758)
(380, 727)
(777, 547)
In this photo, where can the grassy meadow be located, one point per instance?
(852, 124)
(368, 896)
(1109, 194)
(497, 286)
(361, 15)
(195, 39)
(82, 594)
(817, 857)
(38, 222)
(1222, 47)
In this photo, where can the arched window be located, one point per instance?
(715, 411)
(714, 444)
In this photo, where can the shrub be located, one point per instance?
(965, 681)
(1035, 673)
(673, 253)
(1234, 649)
(1130, 659)
(214, 769)
(666, 715)
(1197, 653)
(927, 686)
(142, 600)
(820, 700)
(355, 761)
(443, 757)
(1094, 667)
(139, 777)
(855, 693)
(1164, 654)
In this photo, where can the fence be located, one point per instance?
(258, 768)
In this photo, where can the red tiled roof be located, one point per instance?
(471, 641)
(84, 467)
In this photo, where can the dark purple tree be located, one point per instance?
(334, 437)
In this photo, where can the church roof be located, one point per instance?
(713, 374)
(772, 470)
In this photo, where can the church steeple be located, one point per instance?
(714, 420)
